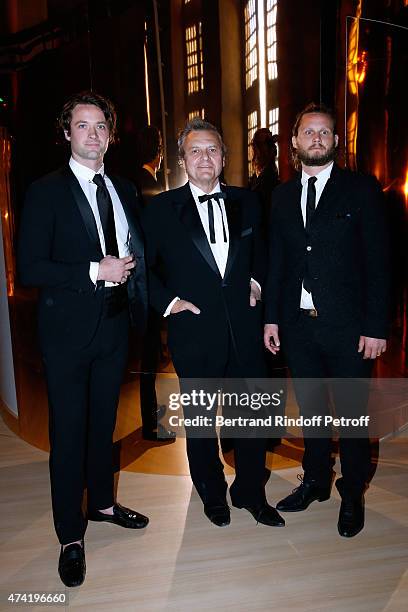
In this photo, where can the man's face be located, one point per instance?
(89, 135)
(315, 142)
(203, 158)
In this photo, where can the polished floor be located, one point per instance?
(181, 562)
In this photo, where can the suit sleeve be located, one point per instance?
(159, 296)
(259, 248)
(375, 260)
(36, 267)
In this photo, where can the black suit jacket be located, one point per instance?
(58, 240)
(147, 187)
(182, 264)
(347, 258)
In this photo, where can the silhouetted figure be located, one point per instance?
(150, 150)
(265, 177)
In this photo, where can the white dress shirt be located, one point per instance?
(85, 178)
(322, 177)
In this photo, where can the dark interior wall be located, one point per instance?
(298, 31)
(110, 59)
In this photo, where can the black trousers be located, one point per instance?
(317, 351)
(206, 468)
(148, 366)
(83, 393)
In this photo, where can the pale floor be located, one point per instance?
(181, 562)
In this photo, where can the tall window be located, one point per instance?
(194, 52)
(251, 51)
(261, 68)
(271, 43)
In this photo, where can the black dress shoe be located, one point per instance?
(351, 517)
(265, 514)
(71, 565)
(121, 516)
(303, 496)
(218, 514)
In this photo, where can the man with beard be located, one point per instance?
(327, 299)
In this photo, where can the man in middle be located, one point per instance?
(206, 257)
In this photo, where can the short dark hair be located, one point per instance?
(88, 97)
(196, 125)
(314, 108)
(149, 143)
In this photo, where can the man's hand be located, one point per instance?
(271, 338)
(255, 294)
(114, 269)
(181, 305)
(372, 347)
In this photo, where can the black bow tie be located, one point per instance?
(220, 195)
(217, 197)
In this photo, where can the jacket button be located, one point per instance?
(49, 302)
(308, 248)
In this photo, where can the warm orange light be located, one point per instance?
(361, 67)
(405, 187)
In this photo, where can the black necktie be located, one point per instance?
(310, 210)
(105, 208)
(208, 198)
(310, 200)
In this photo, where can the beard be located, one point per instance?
(318, 157)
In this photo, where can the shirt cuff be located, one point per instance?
(170, 306)
(257, 284)
(94, 271)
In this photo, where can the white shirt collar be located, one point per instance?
(323, 175)
(196, 191)
(84, 172)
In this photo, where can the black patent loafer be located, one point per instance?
(265, 514)
(71, 565)
(124, 517)
(218, 514)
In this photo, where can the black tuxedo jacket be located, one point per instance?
(58, 240)
(182, 264)
(346, 249)
(147, 187)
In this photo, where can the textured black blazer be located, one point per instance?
(58, 239)
(347, 253)
(182, 264)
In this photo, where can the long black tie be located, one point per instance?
(105, 208)
(310, 201)
(310, 210)
(208, 198)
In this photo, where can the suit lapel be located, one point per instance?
(329, 194)
(187, 212)
(137, 246)
(297, 198)
(83, 206)
(233, 209)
